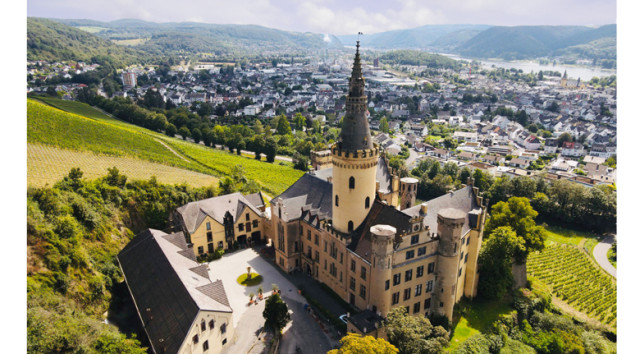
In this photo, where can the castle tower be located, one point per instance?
(382, 237)
(408, 192)
(450, 222)
(354, 159)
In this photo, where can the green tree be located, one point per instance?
(196, 135)
(300, 121)
(270, 149)
(171, 130)
(414, 334)
(354, 343)
(495, 259)
(184, 132)
(565, 137)
(384, 125)
(518, 214)
(276, 313)
(282, 125)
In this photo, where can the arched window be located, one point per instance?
(336, 200)
(350, 226)
(352, 182)
(366, 203)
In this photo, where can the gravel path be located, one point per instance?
(600, 254)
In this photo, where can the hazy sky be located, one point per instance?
(337, 16)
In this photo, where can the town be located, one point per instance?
(503, 122)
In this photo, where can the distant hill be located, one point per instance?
(50, 40)
(517, 42)
(194, 38)
(522, 42)
(413, 38)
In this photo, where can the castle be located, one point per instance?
(341, 225)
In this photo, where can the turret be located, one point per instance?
(382, 237)
(354, 159)
(408, 192)
(450, 223)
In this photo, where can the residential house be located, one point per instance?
(572, 149)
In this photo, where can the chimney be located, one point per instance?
(423, 208)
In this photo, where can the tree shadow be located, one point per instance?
(122, 313)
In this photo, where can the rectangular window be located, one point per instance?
(205, 345)
(209, 236)
(309, 235)
(240, 227)
(255, 223)
(461, 255)
(208, 226)
(340, 277)
(386, 285)
(422, 250)
(224, 341)
(333, 270)
(363, 273)
(468, 239)
(410, 254)
(211, 324)
(248, 226)
(220, 244)
(419, 271)
(427, 304)
(200, 249)
(418, 290)
(466, 256)
(317, 256)
(431, 267)
(416, 307)
(395, 298)
(353, 266)
(407, 293)
(459, 272)
(397, 278)
(203, 326)
(295, 246)
(352, 284)
(325, 246)
(210, 246)
(325, 264)
(195, 339)
(223, 328)
(246, 216)
(415, 239)
(363, 292)
(341, 257)
(408, 275)
(316, 240)
(429, 286)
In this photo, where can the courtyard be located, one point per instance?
(303, 332)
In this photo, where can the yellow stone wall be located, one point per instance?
(213, 336)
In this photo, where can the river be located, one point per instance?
(573, 71)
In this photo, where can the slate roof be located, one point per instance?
(194, 213)
(308, 190)
(166, 285)
(380, 214)
(462, 199)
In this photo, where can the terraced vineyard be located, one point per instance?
(48, 164)
(576, 280)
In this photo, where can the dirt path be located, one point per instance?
(170, 149)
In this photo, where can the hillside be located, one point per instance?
(516, 42)
(202, 38)
(49, 40)
(521, 42)
(412, 38)
(95, 133)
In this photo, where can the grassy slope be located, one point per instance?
(90, 130)
(476, 316)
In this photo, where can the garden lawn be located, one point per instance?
(475, 316)
(559, 234)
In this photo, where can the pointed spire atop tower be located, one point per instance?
(355, 134)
